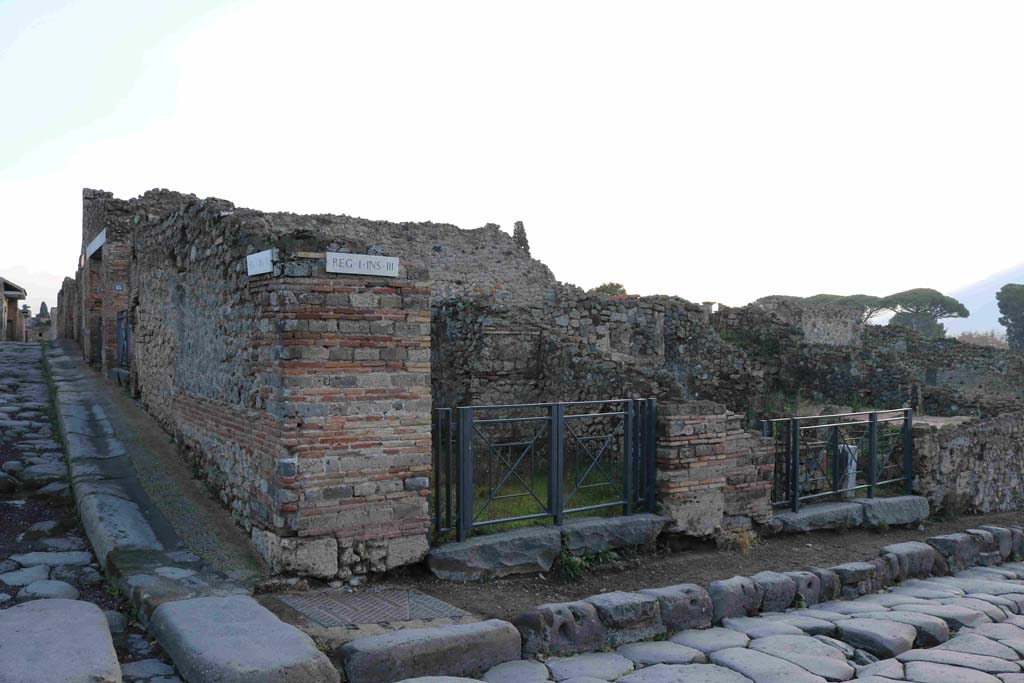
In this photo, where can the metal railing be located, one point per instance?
(499, 464)
(840, 455)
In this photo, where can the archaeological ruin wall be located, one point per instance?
(971, 467)
(302, 396)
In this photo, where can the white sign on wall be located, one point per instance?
(362, 264)
(260, 262)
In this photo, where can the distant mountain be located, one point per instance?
(980, 300)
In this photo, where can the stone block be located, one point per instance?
(293, 555)
(894, 511)
(888, 570)
(808, 586)
(113, 523)
(821, 516)
(857, 575)
(458, 650)
(738, 596)
(960, 550)
(57, 641)
(828, 582)
(915, 558)
(522, 551)
(236, 640)
(988, 541)
(591, 535)
(561, 629)
(1003, 538)
(684, 606)
(779, 590)
(628, 617)
(1017, 543)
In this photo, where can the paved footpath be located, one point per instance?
(198, 610)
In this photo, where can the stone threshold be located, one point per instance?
(533, 550)
(209, 625)
(867, 512)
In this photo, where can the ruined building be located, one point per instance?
(11, 317)
(301, 381)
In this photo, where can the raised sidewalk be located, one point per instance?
(194, 597)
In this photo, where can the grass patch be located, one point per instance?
(524, 504)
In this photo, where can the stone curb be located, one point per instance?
(565, 629)
(202, 645)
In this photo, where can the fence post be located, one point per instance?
(833, 446)
(556, 464)
(627, 448)
(465, 500)
(651, 455)
(908, 449)
(872, 453)
(794, 462)
(436, 446)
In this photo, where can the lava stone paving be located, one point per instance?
(49, 577)
(965, 628)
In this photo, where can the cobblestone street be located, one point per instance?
(53, 596)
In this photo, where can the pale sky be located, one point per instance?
(714, 150)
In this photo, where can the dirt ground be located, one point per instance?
(505, 598)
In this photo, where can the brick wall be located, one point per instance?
(714, 477)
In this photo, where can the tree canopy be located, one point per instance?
(921, 309)
(869, 306)
(1011, 308)
(609, 288)
(927, 303)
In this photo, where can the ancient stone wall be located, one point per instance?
(971, 467)
(820, 323)
(584, 347)
(67, 310)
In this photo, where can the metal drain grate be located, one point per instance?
(337, 608)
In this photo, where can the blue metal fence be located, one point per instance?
(499, 464)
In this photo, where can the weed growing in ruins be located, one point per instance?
(741, 541)
(574, 567)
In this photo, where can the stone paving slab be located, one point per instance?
(710, 640)
(606, 666)
(236, 640)
(992, 665)
(881, 638)
(517, 671)
(459, 650)
(693, 673)
(661, 652)
(931, 672)
(56, 641)
(975, 644)
(807, 653)
(762, 668)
